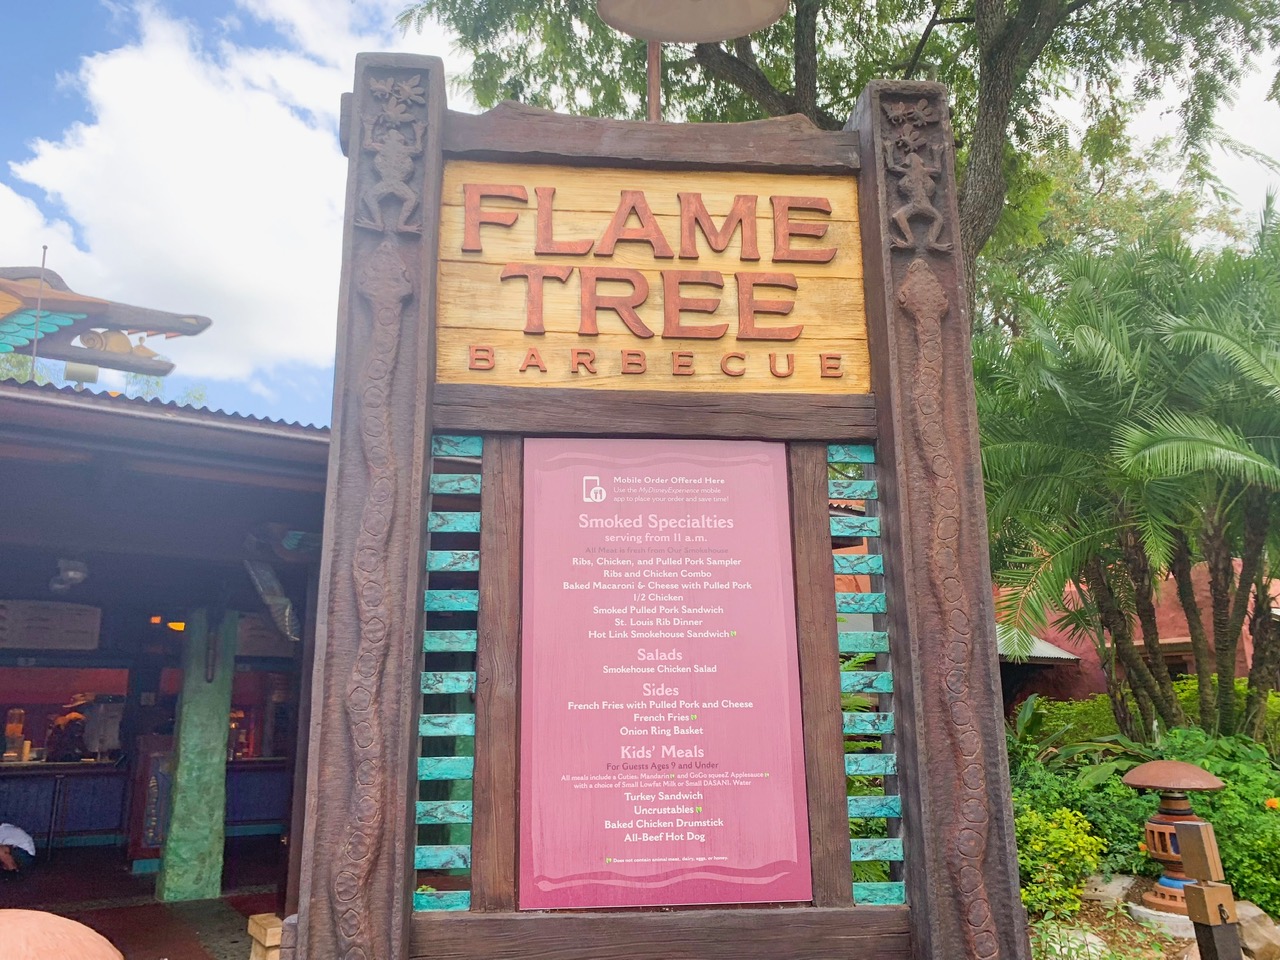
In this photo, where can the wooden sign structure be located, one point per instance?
(521, 276)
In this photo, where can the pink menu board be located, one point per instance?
(661, 750)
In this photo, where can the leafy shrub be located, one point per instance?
(1247, 827)
(1056, 851)
(1092, 718)
(1084, 719)
(1115, 811)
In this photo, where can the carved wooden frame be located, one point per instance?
(960, 871)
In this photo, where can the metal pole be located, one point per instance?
(654, 95)
(35, 333)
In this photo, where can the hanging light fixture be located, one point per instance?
(690, 21)
(685, 21)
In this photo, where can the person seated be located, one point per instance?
(17, 851)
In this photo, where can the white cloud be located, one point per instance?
(209, 179)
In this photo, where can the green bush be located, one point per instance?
(1247, 828)
(1056, 851)
(1116, 812)
(1086, 719)
(1092, 718)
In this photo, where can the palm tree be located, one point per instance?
(1130, 432)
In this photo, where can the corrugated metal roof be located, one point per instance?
(180, 411)
(1042, 649)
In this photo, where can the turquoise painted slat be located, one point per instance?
(449, 446)
(846, 563)
(444, 811)
(852, 526)
(879, 849)
(869, 764)
(864, 641)
(449, 856)
(464, 484)
(850, 453)
(449, 641)
(453, 768)
(443, 900)
(453, 561)
(448, 725)
(860, 603)
(851, 490)
(437, 600)
(872, 723)
(453, 522)
(865, 681)
(880, 894)
(437, 681)
(870, 807)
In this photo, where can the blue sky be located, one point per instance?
(182, 155)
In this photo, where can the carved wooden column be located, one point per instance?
(961, 868)
(358, 847)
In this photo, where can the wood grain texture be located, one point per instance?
(961, 870)
(868, 723)
(357, 865)
(442, 900)
(865, 933)
(513, 132)
(858, 563)
(653, 414)
(447, 725)
(449, 641)
(864, 641)
(879, 893)
(485, 294)
(767, 367)
(493, 832)
(819, 675)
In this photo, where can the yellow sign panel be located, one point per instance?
(646, 280)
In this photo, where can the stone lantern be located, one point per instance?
(1174, 780)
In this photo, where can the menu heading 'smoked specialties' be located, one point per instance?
(633, 279)
(662, 759)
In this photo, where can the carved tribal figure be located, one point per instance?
(393, 160)
(917, 188)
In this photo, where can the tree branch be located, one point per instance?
(723, 65)
(924, 38)
(806, 57)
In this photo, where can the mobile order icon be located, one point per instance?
(592, 492)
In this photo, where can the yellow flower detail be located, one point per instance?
(1273, 803)
(1142, 848)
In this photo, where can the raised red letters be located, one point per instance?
(674, 303)
(624, 306)
(693, 214)
(830, 364)
(473, 215)
(634, 203)
(724, 364)
(749, 306)
(479, 358)
(585, 359)
(535, 273)
(544, 241)
(681, 363)
(784, 228)
(633, 361)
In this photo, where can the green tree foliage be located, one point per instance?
(1131, 431)
(1006, 62)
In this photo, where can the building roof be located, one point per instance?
(1042, 649)
(62, 416)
